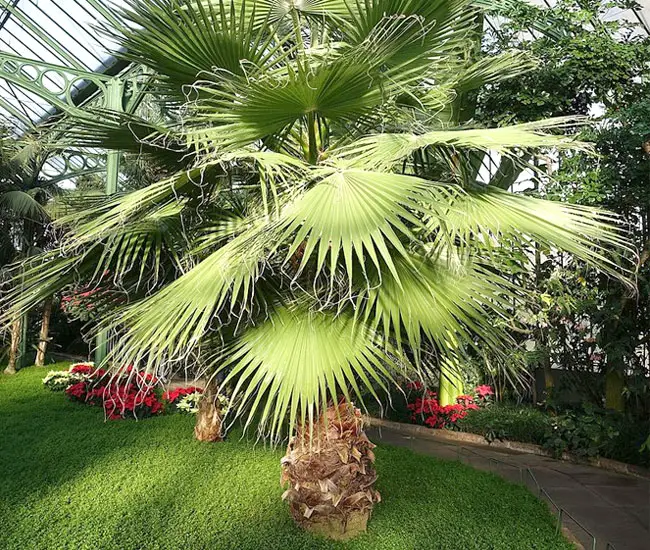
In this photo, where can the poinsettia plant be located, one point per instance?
(427, 410)
(127, 394)
(86, 303)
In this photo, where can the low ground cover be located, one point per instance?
(71, 480)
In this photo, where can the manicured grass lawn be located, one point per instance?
(70, 480)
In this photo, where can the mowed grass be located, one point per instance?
(70, 480)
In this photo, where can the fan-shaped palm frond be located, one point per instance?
(486, 215)
(287, 368)
(200, 41)
(224, 279)
(20, 204)
(352, 212)
(449, 304)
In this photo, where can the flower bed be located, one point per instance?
(184, 399)
(428, 411)
(126, 393)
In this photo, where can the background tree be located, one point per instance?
(588, 65)
(24, 222)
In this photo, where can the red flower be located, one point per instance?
(174, 395)
(77, 391)
(82, 368)
(120, 398)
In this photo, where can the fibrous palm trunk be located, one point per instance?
(44, 335)
(330, 474)
(16, 333)
(209, 418)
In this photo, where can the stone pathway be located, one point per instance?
(615, 508)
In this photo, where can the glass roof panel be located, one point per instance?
(59, 32)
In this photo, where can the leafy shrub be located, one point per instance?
(525, 424)
(632, 445)
(583, 433)
(593, 432)
(588, 432)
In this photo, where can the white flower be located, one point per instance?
(189, 403)
(59, 380)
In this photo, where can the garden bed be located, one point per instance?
(460, 438)
(72, 480)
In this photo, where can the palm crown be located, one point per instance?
(323, 223)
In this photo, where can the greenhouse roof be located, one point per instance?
(55, 32)
(65, 33)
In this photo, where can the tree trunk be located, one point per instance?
(44, 335)
(16, 330)
(330, 474)
(549, 381)
(208, 419)
(614, 384)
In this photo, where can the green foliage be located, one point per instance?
(618, 180)
(516, 423)
(71, 480)
(588, 432)
(585, 59)
(585, 433)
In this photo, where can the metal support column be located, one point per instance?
(114, 97)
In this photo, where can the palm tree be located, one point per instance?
(24, 220)
(326, 228)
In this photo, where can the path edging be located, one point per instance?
(527, 448)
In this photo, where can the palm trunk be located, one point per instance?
(330, 474)
(45, 331)
(16, 331)
(209, 419)
(451, 384)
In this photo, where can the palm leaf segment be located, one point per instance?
(289, 367)
(305, 118)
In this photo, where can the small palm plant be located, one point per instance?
(326, 228)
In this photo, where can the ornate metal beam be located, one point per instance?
(55, 84)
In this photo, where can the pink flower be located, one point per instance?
(484, 391)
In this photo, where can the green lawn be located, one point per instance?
(70, 480)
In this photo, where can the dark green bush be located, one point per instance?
(594, 432)
(584, 433)
(517, 423)
(588, 432)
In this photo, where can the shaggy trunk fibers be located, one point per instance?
(43, 338)
(330, 474)
(208, 419)
(16, 332)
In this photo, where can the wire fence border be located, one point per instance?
(526, 473)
